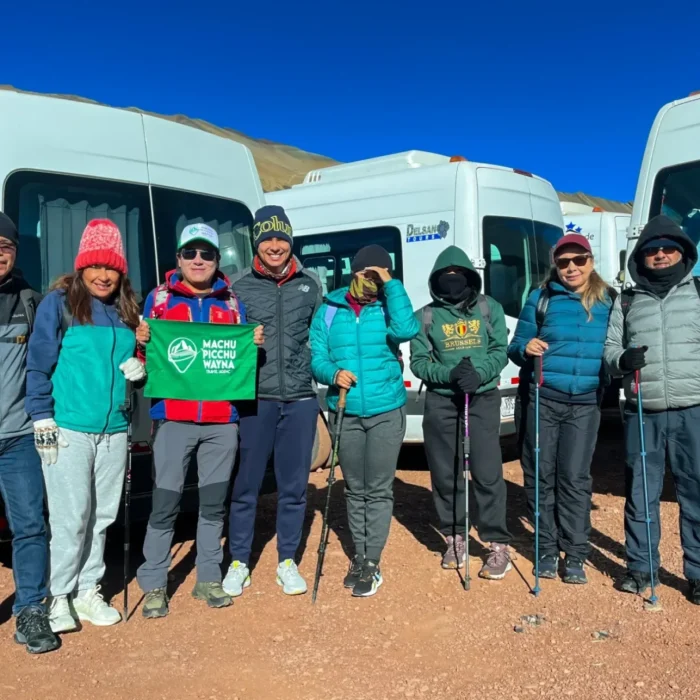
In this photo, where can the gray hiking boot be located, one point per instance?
(212, 593)
(455, 554)
(237, 578)
(155, 604)
(498, 563)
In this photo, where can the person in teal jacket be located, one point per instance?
(355, 337)
(80, 357)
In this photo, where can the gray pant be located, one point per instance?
(215, 446)
(83, 490)
(368, 453)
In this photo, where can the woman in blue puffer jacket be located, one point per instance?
(355, 339)
(570, 339)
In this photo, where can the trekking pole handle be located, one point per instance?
(342, 398)
(538, 370)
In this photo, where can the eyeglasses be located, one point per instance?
(653, 252)
(208, 255)
(8, 249)
(578, 260)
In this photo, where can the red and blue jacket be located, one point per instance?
(173, 301)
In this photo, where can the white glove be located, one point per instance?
(47, 439)
(133, 370)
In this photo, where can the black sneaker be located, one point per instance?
(34, 631)
(694, 591)
(574, 571)
(636, 582)
(549, 565)
(354, 572)
(369, 581)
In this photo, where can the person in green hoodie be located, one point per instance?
(460, 351)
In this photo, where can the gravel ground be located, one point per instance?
(422, 636)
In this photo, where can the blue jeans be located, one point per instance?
(22, 490)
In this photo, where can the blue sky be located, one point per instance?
(568, 93)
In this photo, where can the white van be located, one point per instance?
(63, 163)
(606, 232)
(669, 180)
(415, 204)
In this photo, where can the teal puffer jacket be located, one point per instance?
(366, 345)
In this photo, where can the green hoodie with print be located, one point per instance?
(459, 331)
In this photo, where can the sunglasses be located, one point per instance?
(578, 260)
(653, 252)
(208, 255)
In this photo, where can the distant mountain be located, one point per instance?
(282, 166)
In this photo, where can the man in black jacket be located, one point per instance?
(21, 480)
(279, 294)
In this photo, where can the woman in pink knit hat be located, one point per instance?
(81, 354)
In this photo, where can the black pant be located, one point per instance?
(568, 434)
(443, 433)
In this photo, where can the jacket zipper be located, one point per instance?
(280, 345)
(359, 362)
(112, 380)
(200, 404)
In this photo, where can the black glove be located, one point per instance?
(632, 359)
(466, 377)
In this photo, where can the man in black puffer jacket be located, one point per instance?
(279, 294)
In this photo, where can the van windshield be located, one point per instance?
(51, 212)
(517, 253)
(677, 195)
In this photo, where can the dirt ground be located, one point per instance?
(422, 636)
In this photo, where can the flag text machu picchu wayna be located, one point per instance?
(201, 361)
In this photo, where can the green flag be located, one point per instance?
(201, 361)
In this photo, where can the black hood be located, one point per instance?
(453, 256)
(661, 227)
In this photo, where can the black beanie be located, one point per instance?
(371, 256)
(8, 229)
(271, 221)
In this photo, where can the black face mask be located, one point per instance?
(661, 281)
(453, 287)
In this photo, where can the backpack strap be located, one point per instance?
(541, 308)
(160, 302)
(66, 319)
(426, 320)
(331, 311)
(27, 298)
(485, 309)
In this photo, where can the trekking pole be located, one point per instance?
(643, 454)
(538, 382)
(127, 498)
(342, 396)
(467, 450)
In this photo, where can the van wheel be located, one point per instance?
(322, 445)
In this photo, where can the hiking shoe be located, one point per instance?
(456, 553)
(237, 578)
(155, 604)
(549, 566)
(60, 616)
(290, 579)
(369, 581)
(91, 607)
(574, 571)
(498, 563)
(212, 593)
(34, 631)
(636, 582)
(354, 572)
(694, 591)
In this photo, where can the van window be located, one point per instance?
(517, 258)
(175, 209)
(329, 255)
(677, 195)
(51, 212)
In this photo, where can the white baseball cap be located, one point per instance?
(198, 232)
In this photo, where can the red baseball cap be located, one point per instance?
(572, 239)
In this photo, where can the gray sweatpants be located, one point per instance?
(368, 454)
(215, 446)
(83, 490)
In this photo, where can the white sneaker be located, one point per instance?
(60, 617)
(237, 578)
(290, 579)
(90, 606)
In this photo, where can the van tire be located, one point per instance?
(321, 451)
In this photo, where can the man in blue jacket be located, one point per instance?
(21, 481)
